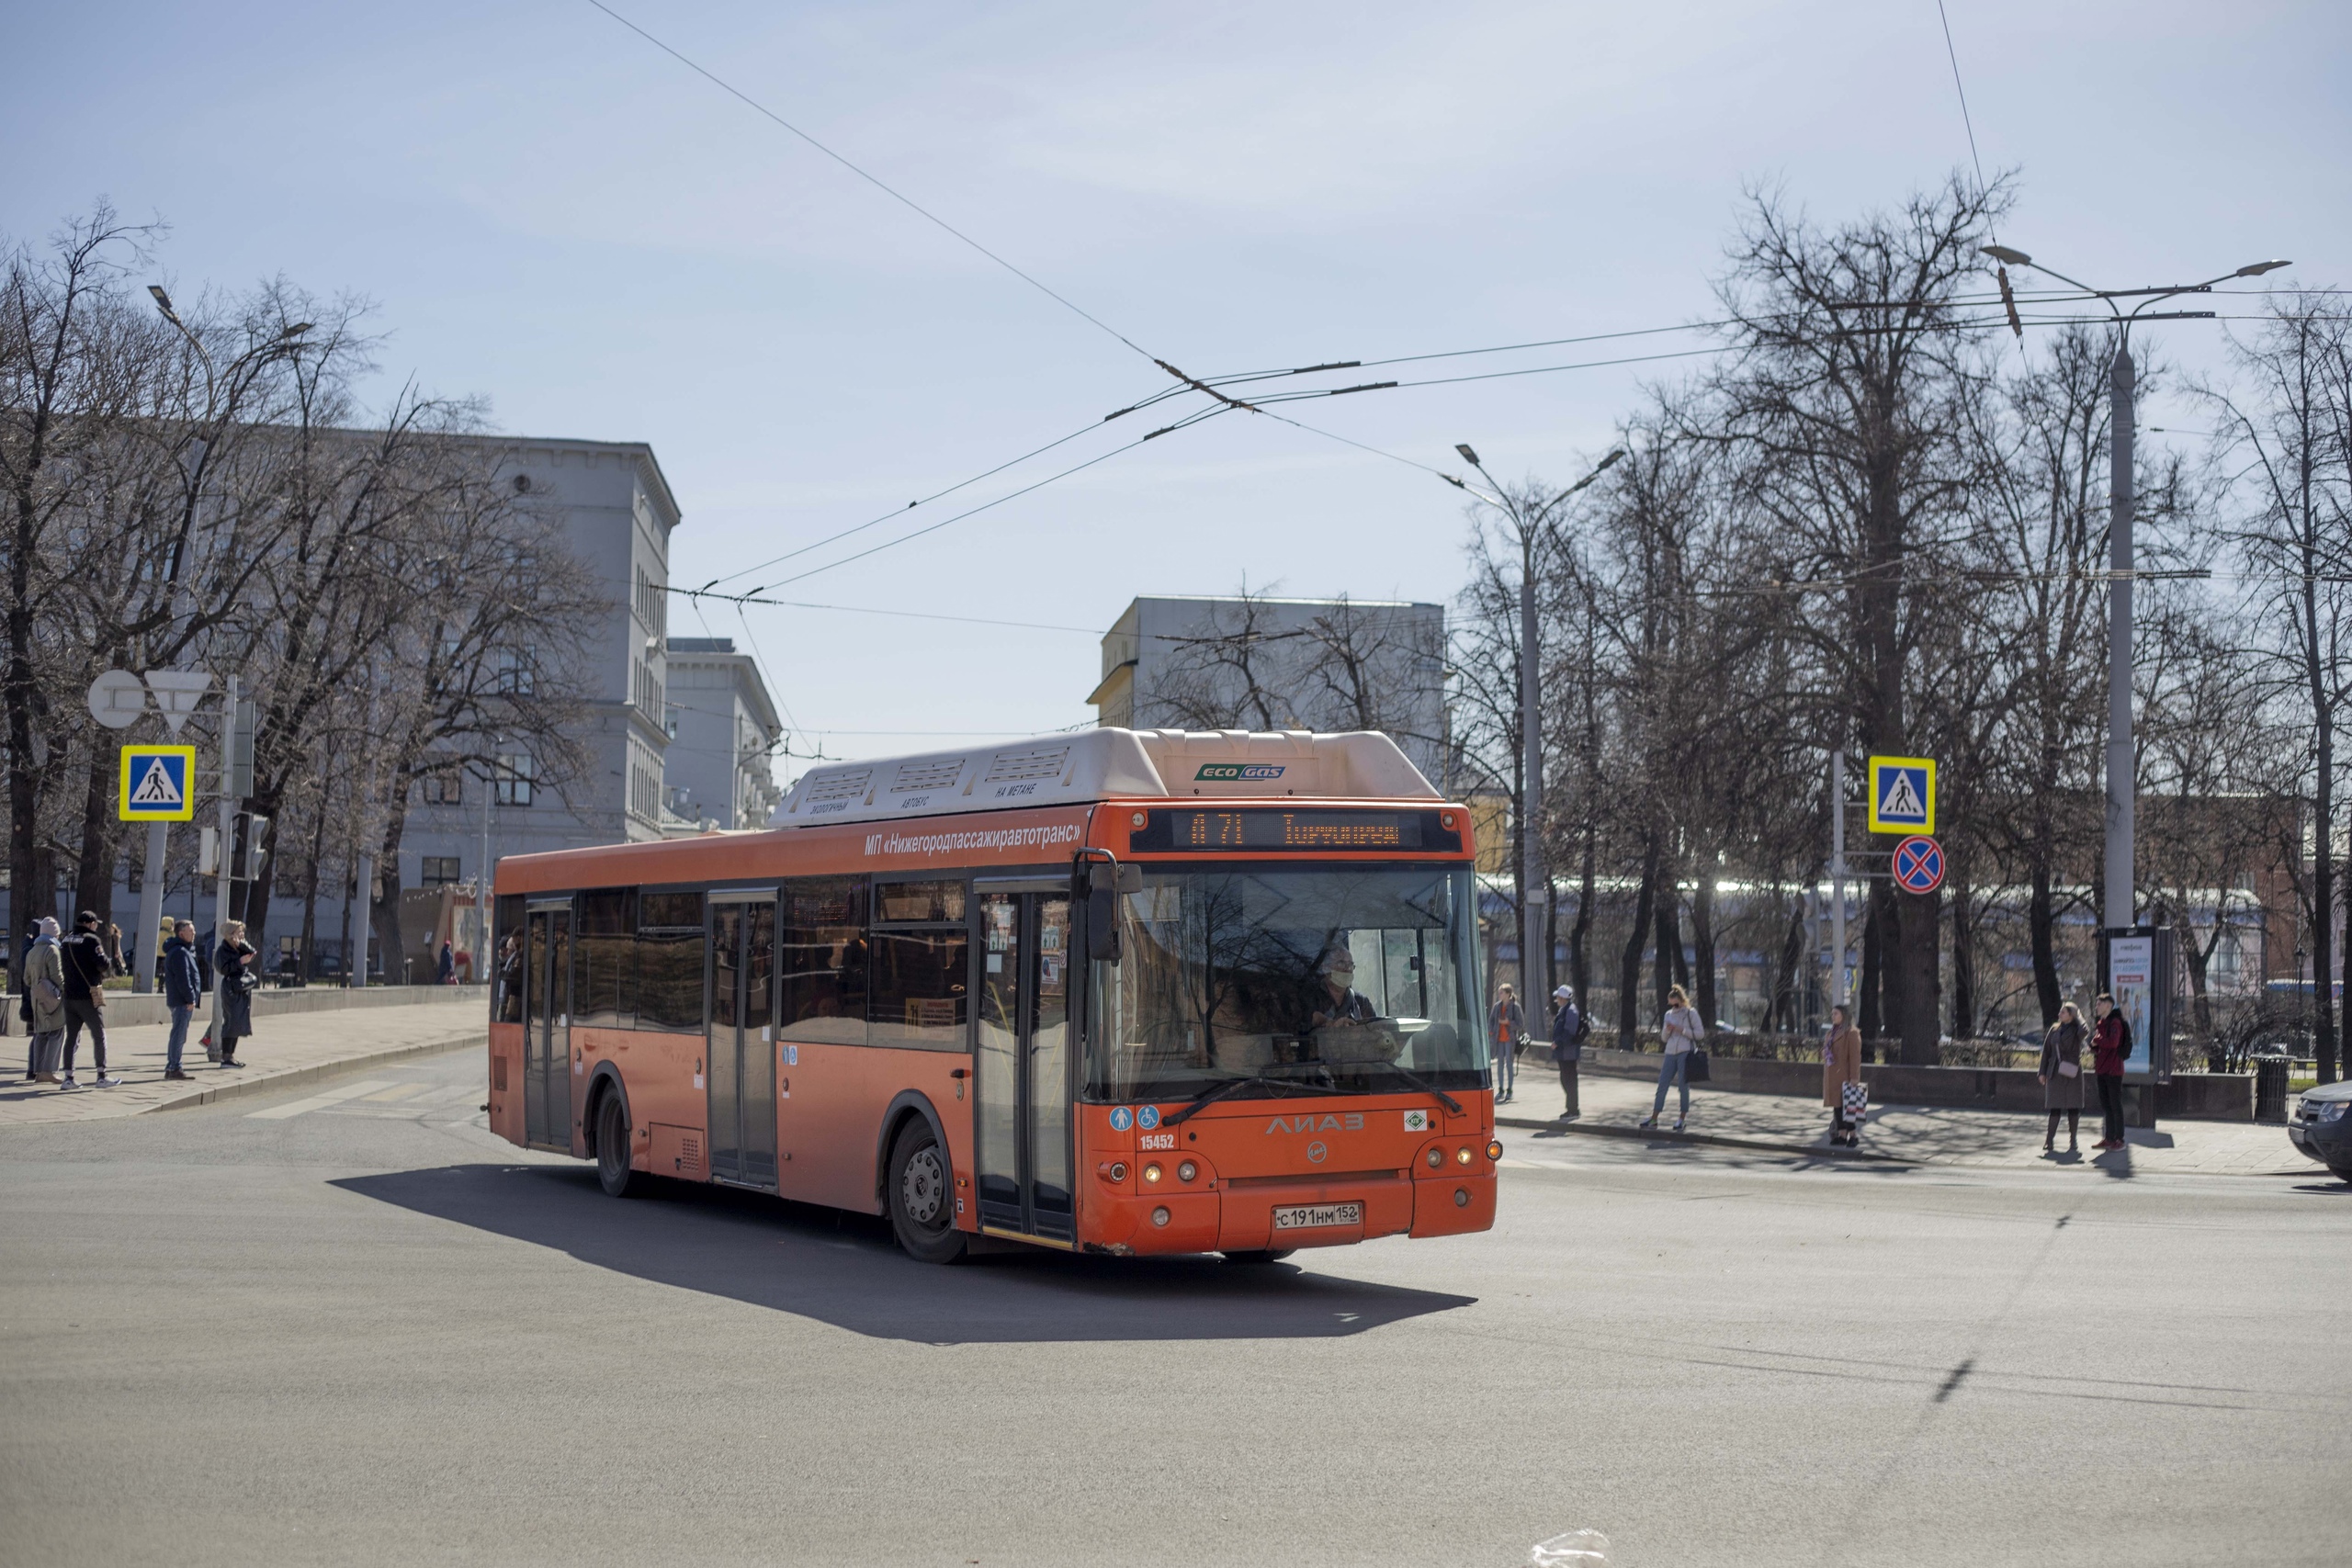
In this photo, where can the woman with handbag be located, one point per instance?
(233, 964)
(1842, 1064)
(2061, 1078)
(1679, 1032)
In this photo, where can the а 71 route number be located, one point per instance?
(1919, 865)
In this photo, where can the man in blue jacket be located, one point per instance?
(1568, 1030)
(183, 988)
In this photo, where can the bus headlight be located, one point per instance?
(1462, 1156)
(1118, 1170)
(1186, 1172)
(1159, 1216)
(1151, 1172)
(1437, 1159)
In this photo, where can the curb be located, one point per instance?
(238, 1087)
(1661, 1136)
(1823, 1151)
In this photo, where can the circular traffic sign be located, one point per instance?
(1919, 864)
(118, 698)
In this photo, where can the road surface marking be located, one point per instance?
(319, 1101)
(398, 1091)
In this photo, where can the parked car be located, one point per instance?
(2322, 1126)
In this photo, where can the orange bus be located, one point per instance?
(1116, 992)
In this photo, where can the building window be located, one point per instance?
(515, 671)
(442, 787)
(514, 775)
(438, 870)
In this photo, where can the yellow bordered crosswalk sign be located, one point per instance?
(1902, 794)
(158, 784)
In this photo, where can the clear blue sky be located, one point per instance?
(552, 213)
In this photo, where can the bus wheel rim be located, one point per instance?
(922, 1189)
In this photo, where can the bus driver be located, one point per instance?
(1337, 1001)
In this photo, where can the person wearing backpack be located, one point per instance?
(2110, 1044)
(1568, 1030)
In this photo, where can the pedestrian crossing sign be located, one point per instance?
(157, 783)
(1902, 794)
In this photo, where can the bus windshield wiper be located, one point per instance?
(1425, 1087)
(1215, 1093)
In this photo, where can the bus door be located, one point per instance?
(1024, 1067)
(547, 1026)
(743, 1052)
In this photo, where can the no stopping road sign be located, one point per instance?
(1919, 864)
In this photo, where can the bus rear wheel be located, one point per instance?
(612, 1147)
(922, 1196)
(1261, 1255)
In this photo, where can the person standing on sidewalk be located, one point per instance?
(1842, 1064)
(1567, 1046)
(1506, 1026)
(183, 988)
(86, 968)
(44, 1001)
(1679, 1032)
(233, 963)
(2110, 1044)
(2061, 1073)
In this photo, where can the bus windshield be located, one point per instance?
(1362, 979)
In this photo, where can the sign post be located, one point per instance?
(117, 699)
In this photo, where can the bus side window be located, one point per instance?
(822, 953)
(508, 964)
(604, 960)
(669, 962)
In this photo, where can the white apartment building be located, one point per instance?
(719, 770)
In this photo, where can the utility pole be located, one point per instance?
(227, 818)
(1535, 886)
(2117, 909)
(482, 898)
(1837, 996)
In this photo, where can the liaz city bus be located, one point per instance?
(1116, 992)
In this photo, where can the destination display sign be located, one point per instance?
(1271, 829)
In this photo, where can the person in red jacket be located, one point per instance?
(2110, 1042)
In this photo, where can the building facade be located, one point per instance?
(617, 513)
(1332, 665)
(723, 730)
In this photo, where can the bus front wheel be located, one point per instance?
(612, 1147)
(922, 1196)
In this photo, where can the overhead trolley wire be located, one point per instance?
(900, 197)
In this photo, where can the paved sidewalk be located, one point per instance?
(1928, 1134)
(283, 1051)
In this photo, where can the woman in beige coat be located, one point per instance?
(1842, 1064)
(45, 990)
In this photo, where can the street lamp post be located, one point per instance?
(2117, 903)
(1534, 888)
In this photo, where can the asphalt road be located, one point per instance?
(345, 1324)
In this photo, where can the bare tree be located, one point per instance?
(2292, 429)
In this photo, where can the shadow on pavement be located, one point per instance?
(844, 1269)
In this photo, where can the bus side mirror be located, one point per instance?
(1103, 930)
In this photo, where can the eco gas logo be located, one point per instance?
(1232, 773)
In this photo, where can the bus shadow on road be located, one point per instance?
(844, 1269)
